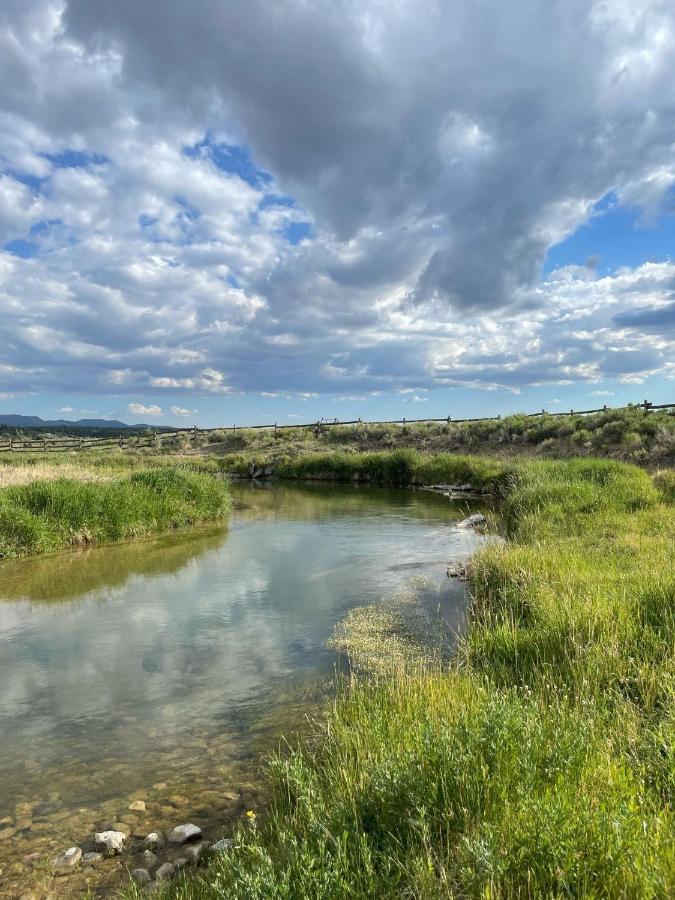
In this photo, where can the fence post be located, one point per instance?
(10, 443)
(646, 405)
(44, 444)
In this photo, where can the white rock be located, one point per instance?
(222, 845)
(110, 840)
(183, 833)
(68, 860)
(472, 521)
(154, 839)
(137, 806)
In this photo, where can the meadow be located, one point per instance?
(540, 763)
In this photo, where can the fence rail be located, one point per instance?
(126, 441)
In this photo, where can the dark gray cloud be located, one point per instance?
(437, 150)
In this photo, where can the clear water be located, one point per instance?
(161, 668)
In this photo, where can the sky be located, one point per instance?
(234, 213)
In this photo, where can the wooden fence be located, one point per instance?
(125, 440)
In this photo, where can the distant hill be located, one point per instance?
(15, 421)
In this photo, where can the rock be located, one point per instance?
(251, 469)
(124, 827)
(221, 846)
(23, 823)
(456, 571)
(231, 795)
(6, 820)
(194, 852)
(7, 833)
(183, 833)
(150, 858)
(141, 876)
(112, 841)
(90, 859)
(137, 806)
(23, 810)
(472, 521)
(31, 858)
(67, 861)
(165, 872)
(180, 863)
(154, 840)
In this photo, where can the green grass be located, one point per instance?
(45, 516)
(541, 764)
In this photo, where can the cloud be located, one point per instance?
(66, 409)
(181, 411)
(138, 409)
(156, 160)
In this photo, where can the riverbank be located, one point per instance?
(52, 512)
(541, 763)
(629, 434)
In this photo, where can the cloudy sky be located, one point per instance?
(245, 211)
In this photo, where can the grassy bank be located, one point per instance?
(542, 764)
(628, 434)
(47, 514)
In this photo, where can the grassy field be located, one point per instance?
(51, 506)
(540, 764)
(627, 434)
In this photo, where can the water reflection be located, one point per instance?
(132, 664)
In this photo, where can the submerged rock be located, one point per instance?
(90, 859)
(137, 806)
(194, 853)
(150, 858)
(110, 840)
(183, 833)
(141, 876)
(472, 521)
(165, 872)
(68, 860)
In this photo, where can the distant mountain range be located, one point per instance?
(15, 421)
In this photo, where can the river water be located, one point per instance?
(161, 669)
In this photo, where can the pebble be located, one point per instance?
(66, 861)
(183, 833)
(89, 859)
(150, 858)
(137, 806)
(7, 833)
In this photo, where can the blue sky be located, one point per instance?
(242, 217)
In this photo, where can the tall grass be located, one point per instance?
(541, 764)
(44, 516)
(399, 467)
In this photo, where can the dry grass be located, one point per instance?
(18, 474)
